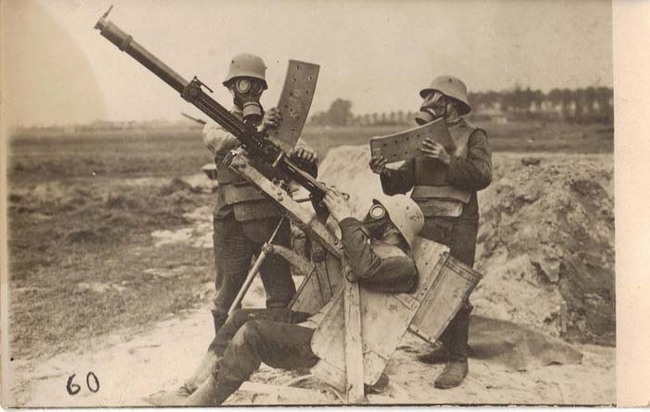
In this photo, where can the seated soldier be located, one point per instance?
(378, 252)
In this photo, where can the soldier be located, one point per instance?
(244, 218)
(378, 251)
(444, 186)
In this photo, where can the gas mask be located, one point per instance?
(433, 107)
(376, 222)
(247, 92)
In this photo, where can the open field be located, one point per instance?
(160, 153)
(82, 210)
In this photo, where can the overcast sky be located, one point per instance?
(377, 54)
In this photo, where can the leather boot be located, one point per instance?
(210, 393)
(457, 368)
(452, 376)
(178, 397)
(208, 365)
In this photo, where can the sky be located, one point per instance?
(378, 54)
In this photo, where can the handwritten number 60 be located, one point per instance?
(92, 383)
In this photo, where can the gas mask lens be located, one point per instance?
(376, 221)
(248, 86)
(243, 86)
(377, 212)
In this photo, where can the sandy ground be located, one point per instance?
(130, 365)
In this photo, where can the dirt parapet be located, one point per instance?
(546, 239)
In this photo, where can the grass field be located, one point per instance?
(82, 209)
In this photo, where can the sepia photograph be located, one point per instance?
(286, 202)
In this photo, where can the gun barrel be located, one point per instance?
(191, 91)
(125, 42)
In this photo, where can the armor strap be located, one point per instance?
(441, 192)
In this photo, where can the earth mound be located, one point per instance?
(546, 238)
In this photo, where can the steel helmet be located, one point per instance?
(404, 213)
(451, 87)
(246, 65)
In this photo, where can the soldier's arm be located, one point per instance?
(398, 181)
(475, 171)
(218, 140)
(393, 273)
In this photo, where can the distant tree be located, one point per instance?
(340, 112)
(605, 95)
(400, 117)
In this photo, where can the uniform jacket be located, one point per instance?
(234, 194)
(376, 265)
(469, 170)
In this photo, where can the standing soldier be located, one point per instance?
(444, 186)
(244, 218)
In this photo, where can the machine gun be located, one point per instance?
(257, 144)
(350, 356)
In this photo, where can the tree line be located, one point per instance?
(584, 105)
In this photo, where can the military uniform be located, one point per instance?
(243, 220)
(280, 337)
(447, 197)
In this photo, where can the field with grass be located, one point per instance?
(82, 209)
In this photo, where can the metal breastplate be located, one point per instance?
(434, 196)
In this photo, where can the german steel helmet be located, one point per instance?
(405, 214)
(452, 87)
(246, 65)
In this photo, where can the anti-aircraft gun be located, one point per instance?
(258, 144)
(351, 356)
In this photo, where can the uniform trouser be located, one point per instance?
(235, 244)
(460, 237)
(253, 336)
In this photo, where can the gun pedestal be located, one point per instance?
(304, 218)
(321, 283)
(317, 289)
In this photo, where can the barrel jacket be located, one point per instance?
(234, 194)
(446, 191)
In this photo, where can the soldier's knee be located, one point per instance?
(247, 335)
(239, 316)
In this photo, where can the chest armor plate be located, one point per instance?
(430, 172)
